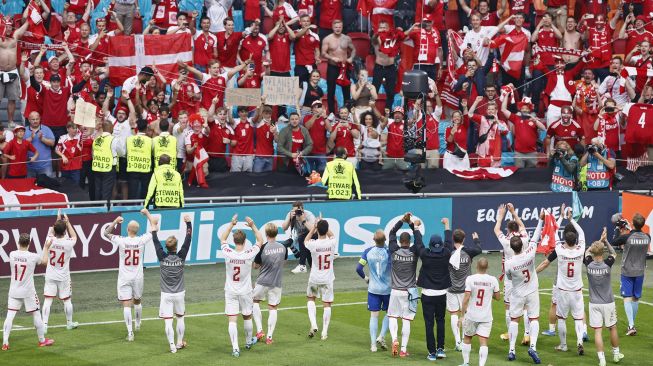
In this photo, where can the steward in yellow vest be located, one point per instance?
(165, 143)
(166, 186)
(340, 177)
(139, 161)
(103, 165)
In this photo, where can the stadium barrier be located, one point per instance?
(353, 223)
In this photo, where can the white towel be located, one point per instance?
(455, 259)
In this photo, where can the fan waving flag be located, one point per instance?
(35, 30)
(513, 47)
(129, 54)
(548, 240)
(484, 173)
(448, 97)
(197, 173)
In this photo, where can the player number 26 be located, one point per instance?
(132, 257)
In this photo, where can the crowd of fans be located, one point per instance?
(512, 82)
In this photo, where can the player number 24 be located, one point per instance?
(132, 257)
(61, 261)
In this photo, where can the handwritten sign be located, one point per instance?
(84, 113)
(243, 97)
(281, 90)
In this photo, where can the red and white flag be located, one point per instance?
(548, 239)
(129, 54)
(197, 173)
(35, 30)
(455, 41)
(484, 173)
(513, 49)
(26, 192)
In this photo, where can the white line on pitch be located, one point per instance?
(187, 316)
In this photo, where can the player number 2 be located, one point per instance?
(570, 269)
(236, 276)
(323, 262)
(527, 275)
(23, 268)
(61, 259)
(479, 296)
(132, 257)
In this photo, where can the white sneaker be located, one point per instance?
(602, 363)
(459, 347)
(299, 269)
(173, 348)
(137, 326)
(373, 348)
(324, 337)
(130, 337)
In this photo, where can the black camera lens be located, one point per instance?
(298, 212)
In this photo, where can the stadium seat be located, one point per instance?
(361, 43)
(369, 64)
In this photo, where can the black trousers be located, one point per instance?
(302, 73)
(304, 254)
(138, 184)
(87, 173)
(332, 76)
(218, 165)
(433, 309)
(431, 70)
(104, 182)
(386, 75)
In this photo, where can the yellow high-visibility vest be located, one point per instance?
(139, 154)
(340, 177)
(166, 187)
(102, 154)
(165, 145)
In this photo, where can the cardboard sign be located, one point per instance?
(281, 90)
(243, 97)
(84, 113)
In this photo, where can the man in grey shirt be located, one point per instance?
(300, 222)
(633, 265)
(403, 296)
(460, 267)
(603, 312)
(270, 260)
(173, 290)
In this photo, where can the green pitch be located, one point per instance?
(100, 339)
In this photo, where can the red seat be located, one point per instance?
(369, 64)
(361, 43)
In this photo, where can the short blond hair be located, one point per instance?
(271, 230)
(596, 249)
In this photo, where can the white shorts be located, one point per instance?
(128, 290)
(238, 304)
(530, 303)
(63, 288)
(472, 328)
(273, 294)
(172, 304)
(570, 301)
(31, 303)
(323, 291)
(454, 302)
(603, 315)
(507, 290)
(398, 307)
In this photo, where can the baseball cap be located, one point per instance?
(55, 77)
(19, 127)
(642, 18)
(428, 17)
(398, 109)
(51, 58)
(147, 71)
(436, 244)
(316, 102)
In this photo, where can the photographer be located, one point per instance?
(600, 164)
(565, 168)
(299, 222)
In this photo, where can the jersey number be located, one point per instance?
(132, 258)
(22, 272)
(642, 120)
(570, 269)
(236, 276)
(61, 260)
(479, 296)
(323, 262)
(527, 275)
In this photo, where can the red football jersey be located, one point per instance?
(228, 48)
(280, 53)
(525, 134)
(204, 46)
(330, 10)
(253, 47)
(305, 48)
(215, 146)
(639, 126)
(610, 130)
(318, 135)
(572, 133)
(395, 146)
(71, 148)
(244, 136)
(264, 140)
(344, 138)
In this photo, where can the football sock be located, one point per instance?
(249, 327)
(405, 334)
(601, 356)
(38, 324)
(138, 312)
(507, 320)
(454, 327)
(394, 327)
(326, 318)
(233, 335)
(374, 327)
(578, 324)
(384, 327)
(258, 317)
(68, 310)
(181, 328)
(615, 350)
(272, 322)
(562, 331)
(513, 330)
(127, 314)
(6, 329)
(629, 313)
(552, 327)
(47, 303)
(635, 305)
(467, 349)
(482, 355)
(527, 327)
(535, 331)
(170, 332)
(312, 316)
(584, 326)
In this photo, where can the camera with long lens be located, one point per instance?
(559, 153)
(288, 243)
(591, 149)
(299, 212)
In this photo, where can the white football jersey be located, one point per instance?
(520, 269)
(570, 265)
(505, 243)
(131, 255)
(322, 251)
(59, 259)
(22, 265)
(481, 288)
(239, 269)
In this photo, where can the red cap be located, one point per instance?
(428, 17)
(398, 109)
(525, 102)
(643, 18)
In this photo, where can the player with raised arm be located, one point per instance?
(130, 270)
(377, 259)
(173, 288)
(480, 289)
(320, 281)
(520, 269)
(22, 291)
(238, 286)
(514, 227)
(603, 312)
(570, 254)
(460, 267)
(57, 273)
(270, 260)
(403, 296)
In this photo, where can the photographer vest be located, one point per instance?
(598, 175)
(561, 180)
